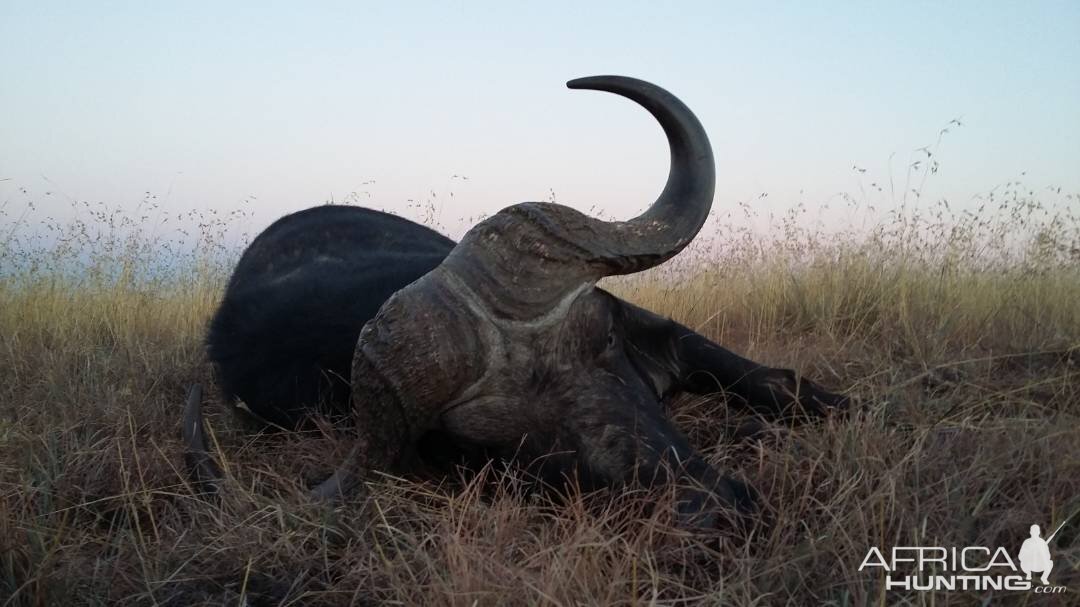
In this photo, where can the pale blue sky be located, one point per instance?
(295, 103)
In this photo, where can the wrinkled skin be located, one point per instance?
(596, 401)
(500, 343)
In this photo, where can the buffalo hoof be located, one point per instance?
(819, 403)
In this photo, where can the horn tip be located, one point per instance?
(592, 82)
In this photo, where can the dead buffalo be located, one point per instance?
(501, 342)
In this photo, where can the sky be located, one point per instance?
(287, 105)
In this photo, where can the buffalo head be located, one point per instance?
(509, 344)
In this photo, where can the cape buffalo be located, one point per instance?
(502, 341)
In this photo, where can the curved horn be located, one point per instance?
(682, 207)
(202, 469)
(525, 259)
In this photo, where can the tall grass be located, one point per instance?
(959, 333)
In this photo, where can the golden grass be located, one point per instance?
(963, 351)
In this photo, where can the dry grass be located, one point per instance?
(959, 334)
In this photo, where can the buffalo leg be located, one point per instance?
(706, 367)
(674, 358)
